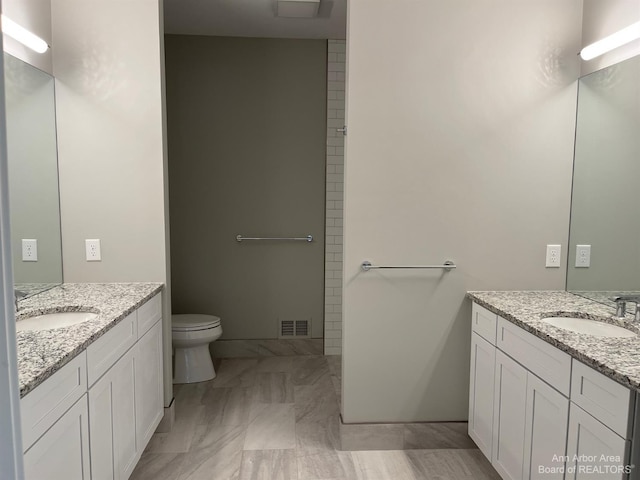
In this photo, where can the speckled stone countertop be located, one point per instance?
(617, 358)
(42, 353)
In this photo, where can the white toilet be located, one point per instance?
(192, 334)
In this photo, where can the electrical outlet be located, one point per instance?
(29, 250)
(93, 250)
(583, 256)
(553, 255)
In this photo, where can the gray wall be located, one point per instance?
(247, 120)
(461, 120)
(107, 59)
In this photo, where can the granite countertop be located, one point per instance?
(42, 353)
(617, 358)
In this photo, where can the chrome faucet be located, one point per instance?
(18, 294)
(621, 305)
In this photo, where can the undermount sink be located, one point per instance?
(48, 321)
(589, 327)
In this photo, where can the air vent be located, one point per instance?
(295, 329)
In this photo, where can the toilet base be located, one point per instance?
(193, 364)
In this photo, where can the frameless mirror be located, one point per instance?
(606, 183)
(33, 175)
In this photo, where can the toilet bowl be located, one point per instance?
(191, 335)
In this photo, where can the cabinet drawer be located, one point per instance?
(483, 322)
(149, 314)
(605, 399)
(537, 356)
(106, 350)
(43, 406)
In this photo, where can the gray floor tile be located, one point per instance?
(228, 406)
(158, 466)
(272, 427)
(275, 364)
(437, 436)
(269, 465)
(372, 437)
(325, 465)
(279, 418)
(454, 464)
(179, 439)
(315, 403)
(382, 465)
(216, 453)
(274, 387)
(236, 372)
(310, 370)
(319, 437)
(335, 365)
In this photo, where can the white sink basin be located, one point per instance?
(589, 327)
(53, 320)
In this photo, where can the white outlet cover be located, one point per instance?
(583, 256)
(553, 256)
(29, 250)
(92, 247)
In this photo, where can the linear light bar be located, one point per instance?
(622, 37)
(23, 35)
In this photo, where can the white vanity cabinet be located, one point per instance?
(599, 425)
(481, 388)
(93, 418)
(54, 420)
(518, 421)
(550, 414)
(125, 404)
(483, 360)
(112, 416)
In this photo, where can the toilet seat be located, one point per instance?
(193, 322)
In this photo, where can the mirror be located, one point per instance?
(606, 183)
(33, 174)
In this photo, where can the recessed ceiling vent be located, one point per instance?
(295, 329)
(297, 8)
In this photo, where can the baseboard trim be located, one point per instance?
(405, 436)
(266, 347)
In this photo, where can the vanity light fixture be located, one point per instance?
(23, 35)
(621, 37)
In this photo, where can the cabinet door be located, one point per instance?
(62, 452)
(149, 391)
(593, 450)
(112, 421)
(546, 421)
(483, 359)
(509, 417)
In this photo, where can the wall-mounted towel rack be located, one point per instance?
(447, 265)
(308, 238)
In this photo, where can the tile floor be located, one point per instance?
(277, 418)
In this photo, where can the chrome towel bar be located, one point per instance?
(448, 265)
(308, 238)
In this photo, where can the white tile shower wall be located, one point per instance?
(336, 63)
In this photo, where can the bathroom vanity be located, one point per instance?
(545, 402)
(91, 393)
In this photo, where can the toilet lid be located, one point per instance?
(193, 321)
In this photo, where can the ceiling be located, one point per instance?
(252, 18)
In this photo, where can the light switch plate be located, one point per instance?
(92, 247)
(553, 256)
(29, 250)
(583, 256)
